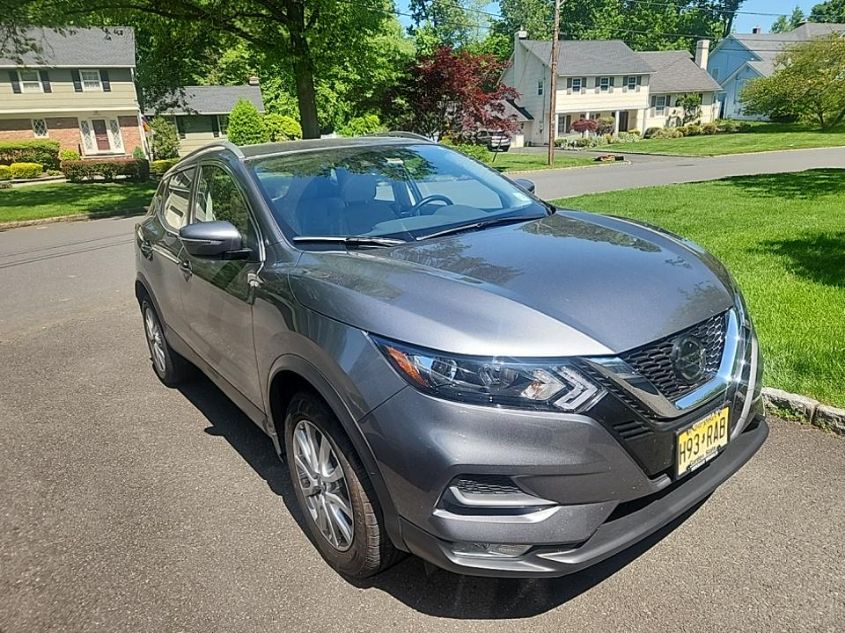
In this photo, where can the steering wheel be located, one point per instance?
(437, 197)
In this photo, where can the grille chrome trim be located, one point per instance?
(620, 374)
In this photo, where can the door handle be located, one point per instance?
(185, 267)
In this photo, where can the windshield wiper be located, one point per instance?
(350, 241)
(475, 226)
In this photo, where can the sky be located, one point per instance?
(744, 22)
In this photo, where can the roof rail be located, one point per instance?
(403, 134)
(217, 144)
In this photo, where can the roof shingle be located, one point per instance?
(675, 71)
(209, 100)
(112, 47)
(590, 57)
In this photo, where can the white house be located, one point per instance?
(605, 78)
(741, 57)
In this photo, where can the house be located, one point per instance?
(604, 78)
(741, 57)
(201, 113)
(77, 88)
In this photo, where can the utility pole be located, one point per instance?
(553, 83)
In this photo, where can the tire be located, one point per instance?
(369, 549)
(171, 368)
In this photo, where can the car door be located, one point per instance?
(161, 248)
(219, 293)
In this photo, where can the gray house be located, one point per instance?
(201, 113)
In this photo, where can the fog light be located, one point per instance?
(489, 550)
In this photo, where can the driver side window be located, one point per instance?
(219, 198)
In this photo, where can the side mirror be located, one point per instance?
(217, 239)
(526, 184)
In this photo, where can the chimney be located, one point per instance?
(756, 30)
(253, 80)
(702, 53)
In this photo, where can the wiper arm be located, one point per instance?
(481, 225)
(350, 241)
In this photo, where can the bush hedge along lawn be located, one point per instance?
(106, 168)
(43, 152)
(783, 238)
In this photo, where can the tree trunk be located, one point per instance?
(303, 71)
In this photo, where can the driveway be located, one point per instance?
(127, 506)
(650, 171)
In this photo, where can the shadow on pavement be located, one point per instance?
(441, 594)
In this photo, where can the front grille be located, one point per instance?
(486, 485)
(654, 361)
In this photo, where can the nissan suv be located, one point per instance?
(448, 365)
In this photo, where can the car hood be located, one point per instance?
(568, 284)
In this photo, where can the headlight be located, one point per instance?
(492, 381)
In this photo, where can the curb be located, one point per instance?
(77, 217)
(805, 410)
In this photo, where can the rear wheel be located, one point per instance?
(333, 490)
(170, 367)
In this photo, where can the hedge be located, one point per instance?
(5, 172)
(26, 170)
(35, 151)
(107, 168)
(159, 167)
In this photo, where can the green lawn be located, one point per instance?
(764, 137)
(512, 161)
(96, 199)
(783, 238)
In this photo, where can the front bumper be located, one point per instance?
(602, 488)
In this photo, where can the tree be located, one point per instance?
(165, 139)
(585, 125)
(790, 23)
(807, 82)
(690, 103)
(453, 93)
(830, 11)
(246, 126)
(281, 128)
(443, 23)
(303, 35)
(358, 126)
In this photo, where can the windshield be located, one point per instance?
(398, 191)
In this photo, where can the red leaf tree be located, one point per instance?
(453, 93)
(585, 125)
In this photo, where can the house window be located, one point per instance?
(39, 128)
(540, 86)
(577, 84)
(90, 80)
(604, 84)
(631, 82)
(660, 104)
(223, 124)
(30, 81)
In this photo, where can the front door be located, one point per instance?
(623, 121)
(101, 135)
(218, 295)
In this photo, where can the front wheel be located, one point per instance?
(170, 367)
(333, 491)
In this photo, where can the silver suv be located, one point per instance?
(448, 365)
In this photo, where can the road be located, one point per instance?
(650, 171)
(127, 506)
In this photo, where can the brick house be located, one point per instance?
(77, 88)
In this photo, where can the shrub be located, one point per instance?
(159, 167)
(68, 154)
(635, 132)
(54, 172)
(106, 168)
(478, 152)
(606, 125)
(35, 151)
(744, 126)
(692, 130)
(5, 172)
(165, 139)
(585, 125)
(650, 132)
(26, 170)
(626, 137)
(138, 153)
(361, 125)
(281, 127)
(583, 142)
(246, 125)
(709, 129)
(727, 126)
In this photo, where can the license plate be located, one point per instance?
(701, 442)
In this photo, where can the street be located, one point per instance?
(127, 506)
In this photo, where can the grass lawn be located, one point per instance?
(96, 199)
(765, 137)
(783, 238)
(511, 161)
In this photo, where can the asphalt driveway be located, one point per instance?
(127, 506)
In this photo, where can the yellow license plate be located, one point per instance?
(701, 442)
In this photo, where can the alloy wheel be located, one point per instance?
(155, 338)
(323, 485)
